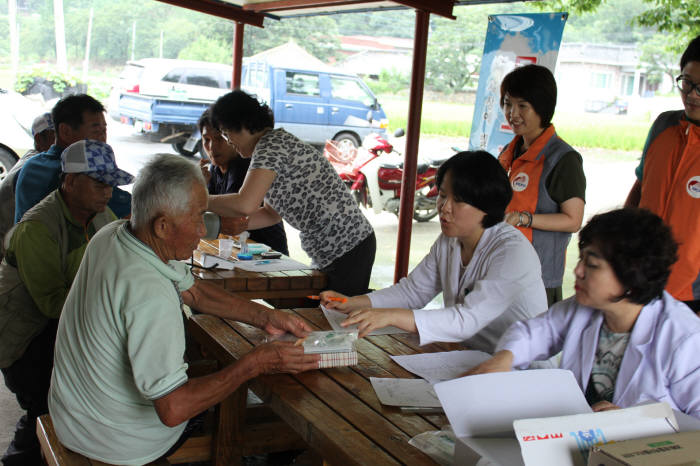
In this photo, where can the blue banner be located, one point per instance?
(511, 41)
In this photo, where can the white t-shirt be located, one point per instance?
(501, 284)
(309, 195)
(120, 345)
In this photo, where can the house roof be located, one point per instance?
(291, 55)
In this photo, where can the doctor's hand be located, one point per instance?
(603, 406)
(233, 225)
(500, 362)
(334, 300)
(371, 319)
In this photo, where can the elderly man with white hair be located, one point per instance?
(120, 393)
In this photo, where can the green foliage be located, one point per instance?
(206, 49)
(397, 23)
(681, 17)
(318, 35)
(389, 82)
(58, 80)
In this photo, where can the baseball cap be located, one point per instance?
(96, 160)
(42, 123)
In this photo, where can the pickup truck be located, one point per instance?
(315, 103)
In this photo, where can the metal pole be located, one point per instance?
(133, 40)
(60, 31)
(160, 50)
(237, 55)
(86, 61)
(14, 38)
(408, 184)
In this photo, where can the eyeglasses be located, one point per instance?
(227, 138)
(686, 86)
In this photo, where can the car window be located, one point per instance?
(302, 83)
(256, 75)
(131, 73)
(175, 75)
(202, 77)
(350, 89)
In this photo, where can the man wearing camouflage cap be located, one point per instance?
(43, 255)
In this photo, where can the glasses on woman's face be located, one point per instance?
(228, 139)
(686, 86)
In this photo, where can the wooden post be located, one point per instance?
(408, 184)
(237, 55)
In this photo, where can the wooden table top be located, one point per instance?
(260, 285)
(335, 411)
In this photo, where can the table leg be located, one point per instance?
(228, 435)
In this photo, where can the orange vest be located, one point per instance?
(528, 174)
(671, 189)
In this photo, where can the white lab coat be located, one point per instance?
(661, 362)
(502, 284)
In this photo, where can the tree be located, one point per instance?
(660, 54)
(681, 17)
(317, 34)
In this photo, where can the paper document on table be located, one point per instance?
(335, 318)
(271, 265)
(208, 261)
(436, 367)
(405, 392)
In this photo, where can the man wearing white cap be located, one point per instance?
(43, 255)
(44, 135)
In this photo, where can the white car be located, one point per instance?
(186, 80)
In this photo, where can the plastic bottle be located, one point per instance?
(244, 255)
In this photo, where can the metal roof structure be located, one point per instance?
(254, 13)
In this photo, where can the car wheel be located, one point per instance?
(347, 144)
(7, 159)
(179, 147)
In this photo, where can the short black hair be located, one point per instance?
(205, 119)
(238, 109)
(692, 52)
(639, 247)
(480, 180)
(535, 84)
(70, 109)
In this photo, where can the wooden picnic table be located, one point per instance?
(281, 289)
(335, 411)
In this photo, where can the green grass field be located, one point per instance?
(616, 132)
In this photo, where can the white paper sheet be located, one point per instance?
(405, 392)
(487, 404)
(335, 318)
(271, 265)
(436, 367)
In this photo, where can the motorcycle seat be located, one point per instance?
(422, 167)
(437, 161)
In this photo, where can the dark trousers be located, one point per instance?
(29, 379)
(349, 274)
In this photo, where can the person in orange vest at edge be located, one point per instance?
(546, 174)
(668, 178)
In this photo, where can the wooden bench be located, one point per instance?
(55, 454)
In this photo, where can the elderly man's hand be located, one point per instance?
(283, 356)
(278, 322)
(603, 406)
(233, 225)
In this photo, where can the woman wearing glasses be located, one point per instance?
(668, 178)
(546, 174)
(625, 339)
(299, 185)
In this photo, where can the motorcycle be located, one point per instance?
(373, 173)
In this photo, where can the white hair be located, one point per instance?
(163, 187)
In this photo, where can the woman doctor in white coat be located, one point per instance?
(625, 339)
(488, 272)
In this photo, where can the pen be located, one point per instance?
(331, 298)
(262, 262)
(421, 409)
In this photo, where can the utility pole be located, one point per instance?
(86, 61)
(133, 39)
(161, 45)
(14, 38)
(61, 61)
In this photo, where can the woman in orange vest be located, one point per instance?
(546, 174)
